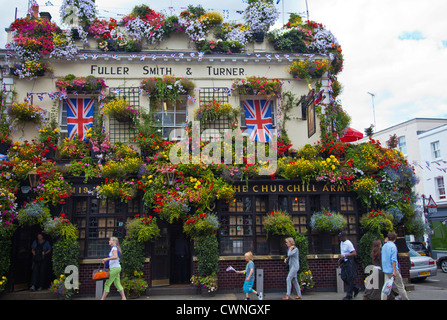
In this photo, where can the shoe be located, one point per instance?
(347, 298)
(298, 297)
(260, 297)
(356, 291)
(286, 298)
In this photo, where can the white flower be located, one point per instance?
(260, 16)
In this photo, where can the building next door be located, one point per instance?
(171, 256)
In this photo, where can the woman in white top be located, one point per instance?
(115, 269)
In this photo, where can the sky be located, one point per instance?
(395, 50)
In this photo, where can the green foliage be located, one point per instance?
(279, 223)
(142, 228)
(33, 213)
(365, 243)
(377, 222)
(302, 243)
(132, 255)
(326, 221)
(207, 249)
(65, 253)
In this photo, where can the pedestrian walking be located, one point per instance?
(293, 262)
(249, 277)
(348, 265)
(115, 269)
(390, 266)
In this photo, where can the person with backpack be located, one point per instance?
(40, 250)
(113, 261)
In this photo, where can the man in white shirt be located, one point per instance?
(348, 265)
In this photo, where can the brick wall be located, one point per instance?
(275, 273)
(88, 286)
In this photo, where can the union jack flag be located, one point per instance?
(258, 117)
(79, 116)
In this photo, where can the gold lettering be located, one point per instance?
(307, 188)
(85, 190)
(237, 188)
(255, 188)
(325, 188)
(244, 188)
(271, 188)
(280, 188)
(332, 188)
(289, 186)
(264, 188)
(313, 188)
(341, 188)
(296, 188)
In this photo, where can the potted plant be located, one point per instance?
(309, 69)
(377, 222)
(278, 224)
(23, 112)
(49, 136)
(89, 84)
(59, 288)
(120, 110)
(166, 88)
(134, 285)
(260, 15)
(201, 224)
(213, 111)
(74, 149)
(207, 251)
(207, 284)
(327, 221)
(258, 86)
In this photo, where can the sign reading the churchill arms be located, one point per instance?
(287, 188)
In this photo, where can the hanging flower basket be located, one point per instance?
(328, 222)
(120, 110)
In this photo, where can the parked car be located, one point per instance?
(442, 263)
(421, 266)
(419, 247)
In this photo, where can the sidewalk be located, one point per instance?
(420, 292)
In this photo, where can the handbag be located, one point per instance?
(101, 273)
(387, 286)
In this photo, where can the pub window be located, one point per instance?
(124, 131)
(346, 203)
(98, 220)
(298, 204)
(170, 116)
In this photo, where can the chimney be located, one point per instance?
(45, 15)
(35, 11)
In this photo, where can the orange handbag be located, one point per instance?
(101, 273)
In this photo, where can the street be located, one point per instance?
(432, 288)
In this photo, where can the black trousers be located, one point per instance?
(39, 275)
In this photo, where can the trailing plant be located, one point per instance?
(201, 224)
(278, 223)
(326, 221)
(377, 222)
(166, 88)
(33, 213)
(258, 86)
(143, 228)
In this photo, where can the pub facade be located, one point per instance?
(296, 111)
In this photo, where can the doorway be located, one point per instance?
(22, 258)
(171, 256)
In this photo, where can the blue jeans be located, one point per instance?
(292, 278)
